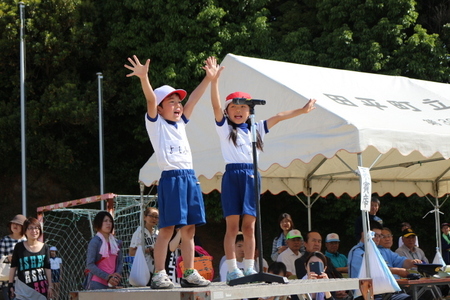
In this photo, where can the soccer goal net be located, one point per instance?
(70, 230)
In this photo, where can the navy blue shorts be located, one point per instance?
(238, 190)
(180, 199)
(56, 273)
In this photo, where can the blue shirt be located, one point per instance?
(339, 260)
(355, 259)
(393, 260)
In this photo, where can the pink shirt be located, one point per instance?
(108, 265)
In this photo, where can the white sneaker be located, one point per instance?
(160, 280)
(194, 280)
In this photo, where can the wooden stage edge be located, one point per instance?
(221, 291)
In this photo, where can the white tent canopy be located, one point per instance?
(399, 127)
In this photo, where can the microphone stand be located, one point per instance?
(260, 276)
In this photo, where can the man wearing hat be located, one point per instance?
(294, 242)
(409, 248)
(445, 241)
(332, 245)
(404, 226)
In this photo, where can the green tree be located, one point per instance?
(60, 112)
(68, 42)
(370, 36)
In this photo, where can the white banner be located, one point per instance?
(366, 188)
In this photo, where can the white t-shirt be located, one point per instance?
(170, 143)
(150, 240)
(242, 153)
(55, 263)
(288, 258)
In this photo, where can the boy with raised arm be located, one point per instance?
(180, 200)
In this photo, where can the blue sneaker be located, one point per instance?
(235, 274)
(249, 271)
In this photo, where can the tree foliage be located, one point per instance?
(375, 36)
(69, 41)
(60, 118)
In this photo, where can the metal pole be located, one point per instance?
(365, 223)
(100, 136)
(309, 213)
(257, 193)
(22, 108)
(437, 219)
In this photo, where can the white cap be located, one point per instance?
(165, 91)
(294, 233)
(53, 248)
(332, 237)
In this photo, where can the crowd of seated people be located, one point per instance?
(292, 253)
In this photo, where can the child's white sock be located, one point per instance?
(249, 263)
(232, 265)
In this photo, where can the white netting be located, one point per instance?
(71, 229)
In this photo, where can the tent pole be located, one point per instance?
(437, 218)
(438, 224)
(309, 213)
(365, 221)
(366, 228)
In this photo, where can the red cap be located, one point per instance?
(231, 96)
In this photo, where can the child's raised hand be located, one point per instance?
(137, 68)
(211, 68)
(309, 106)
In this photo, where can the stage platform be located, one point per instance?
(221, 291)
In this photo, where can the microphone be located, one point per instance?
(250, 102)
